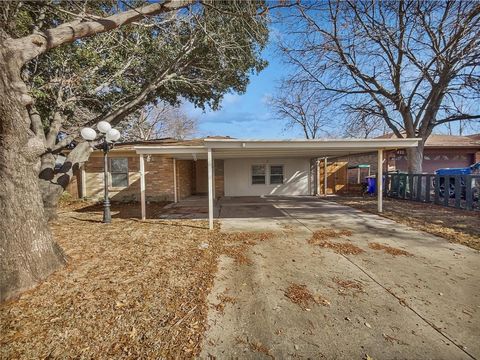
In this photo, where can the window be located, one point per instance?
(276, 174)
(119, 172)
(258, 174)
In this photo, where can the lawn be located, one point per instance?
(131, 289)
(455, 225)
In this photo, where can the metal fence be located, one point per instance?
(459, 191)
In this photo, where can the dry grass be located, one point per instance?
(132, 289)
(301, 295)
(321, 238)
(388, 249)
(458, 226)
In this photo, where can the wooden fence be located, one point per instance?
(459, 191)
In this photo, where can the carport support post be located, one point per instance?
(210, 189)
(380, 181)
(175, 195)
(142, 187)
(325, 177)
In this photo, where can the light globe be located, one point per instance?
(88, 134)
(103, 127)
(113, 135)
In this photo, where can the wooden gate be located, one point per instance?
(336, 177)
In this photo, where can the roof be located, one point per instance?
(224, 148)
(442, 141)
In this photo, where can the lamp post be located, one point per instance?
(110, 136)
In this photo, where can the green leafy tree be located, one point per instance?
(84, 62)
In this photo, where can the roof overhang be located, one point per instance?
(235, 148)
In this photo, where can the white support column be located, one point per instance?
(83, 182)
(380, 181)
(175, 194)
(325, 177)
(210, 189)
(142, 187)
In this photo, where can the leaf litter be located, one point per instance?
(299, 294)
(388, 249)
(322, 238)
(131, 289)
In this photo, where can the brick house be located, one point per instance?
(441, 151)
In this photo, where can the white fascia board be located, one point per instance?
(351, 144)
(170, 150)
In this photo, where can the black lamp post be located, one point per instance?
(110, 136)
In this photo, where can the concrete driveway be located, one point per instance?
(425, 306)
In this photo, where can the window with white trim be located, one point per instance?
(119, 172)
(276, 174)
(259, 173)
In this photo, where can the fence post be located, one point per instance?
(410, 186)
(419, 187)
(458, 190)
(468, 192)
(427, 188)
(446, 190)
(437, 189)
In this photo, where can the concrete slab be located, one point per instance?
(421, 306)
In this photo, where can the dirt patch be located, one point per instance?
(345, 286)
(131, 289)
(388, 249)
(455, 225)
(299, 294)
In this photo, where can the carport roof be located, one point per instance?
(245, 148)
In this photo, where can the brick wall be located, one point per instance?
(158, 179)
(185, 178)
(219, 179)
(477, 157)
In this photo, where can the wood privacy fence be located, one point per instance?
(459, 191)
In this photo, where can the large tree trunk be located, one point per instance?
(415, 159)
(54, 182)
(27, 251)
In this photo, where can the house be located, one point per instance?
(441, 151)
(173, 170)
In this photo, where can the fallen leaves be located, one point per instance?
(455, 225)
(132, 289)
(299, 294)
(348, 285)
(321, 238)
(388, 249)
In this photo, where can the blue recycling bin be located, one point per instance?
(371, 184)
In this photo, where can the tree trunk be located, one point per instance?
(54, 182)
(28, 251)
(415, 159)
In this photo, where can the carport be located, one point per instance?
(213, 148)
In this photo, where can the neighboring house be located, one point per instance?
(177, 169)
(441, 151)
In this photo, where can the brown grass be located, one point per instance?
(388, 249)
(131, 289)
(455, 225)
(299, 294)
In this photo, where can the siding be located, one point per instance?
(237, 173)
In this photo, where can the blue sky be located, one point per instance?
(248, 115)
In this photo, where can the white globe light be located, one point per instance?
(88, 134)
(113, 135)
(104, 126)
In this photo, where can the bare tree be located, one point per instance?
(413, 64)
(28, 251)
(299, 106)
(159, 121)
(363, 124)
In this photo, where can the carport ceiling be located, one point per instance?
(233, 148)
